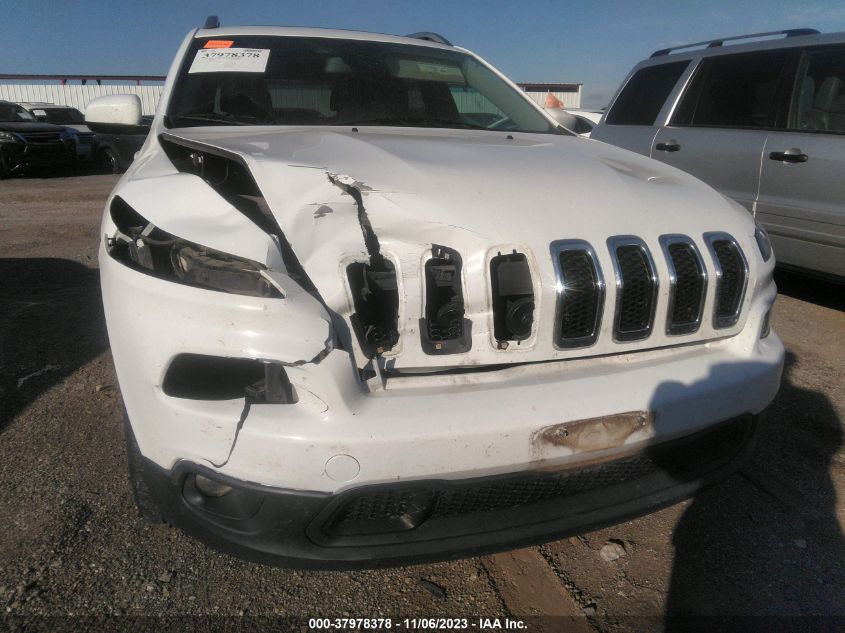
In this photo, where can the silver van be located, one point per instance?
(762, 122)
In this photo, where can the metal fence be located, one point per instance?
(78, 96)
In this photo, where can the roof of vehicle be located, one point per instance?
(712, 48)
(296, 31)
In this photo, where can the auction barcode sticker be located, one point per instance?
(230, 60)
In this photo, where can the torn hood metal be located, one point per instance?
(478, 192)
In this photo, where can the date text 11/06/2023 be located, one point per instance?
(417, 624)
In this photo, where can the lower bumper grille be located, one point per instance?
(402, 509)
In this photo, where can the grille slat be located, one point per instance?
(41, 137)
(688, 279)
(580, 294)
(731, 278)
(636, 289)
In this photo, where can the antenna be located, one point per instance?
(212, 22)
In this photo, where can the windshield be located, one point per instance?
(264, 80)
(12, 112)
(61, 116)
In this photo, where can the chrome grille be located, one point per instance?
(636, 288)
(731, 278)
(580, 294)
(581, 288)
(688, 284)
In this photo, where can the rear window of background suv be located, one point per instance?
(643, 96)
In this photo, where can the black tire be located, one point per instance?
(109, 162)
(5, 169)
(147, 506)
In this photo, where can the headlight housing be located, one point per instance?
(9, 137)
(143, 246)
(763, 242)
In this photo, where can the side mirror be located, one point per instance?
(115, 114)
(567, 120)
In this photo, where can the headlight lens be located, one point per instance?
(763, 242)
(8, 137)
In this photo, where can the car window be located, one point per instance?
(61, 116)
(733, 91)
(267, 80)
(12, 112)
(818, 102)
(643, 96)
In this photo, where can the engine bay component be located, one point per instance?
(512, 297)
(375, 296)
(443, 329)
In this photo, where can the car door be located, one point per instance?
(802, 184)
(720, 126)
(631, 121)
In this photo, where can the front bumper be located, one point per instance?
(22, 156)
(453, 427)
(401, 523)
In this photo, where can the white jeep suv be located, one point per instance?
(369, 304)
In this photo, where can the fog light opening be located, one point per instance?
(210, 488)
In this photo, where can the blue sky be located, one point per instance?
(594, 43)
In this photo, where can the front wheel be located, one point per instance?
(5, 168)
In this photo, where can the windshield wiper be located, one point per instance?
(216, 118)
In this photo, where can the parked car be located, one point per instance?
(26, 143)
(762, 122)
(354, 325)
(72, 120)
(116, 150)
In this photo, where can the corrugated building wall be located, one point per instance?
(568, 99)
(569, 95)
(78, 96)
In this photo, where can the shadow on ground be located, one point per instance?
(763, 550)
(819, 291)
(51, 323)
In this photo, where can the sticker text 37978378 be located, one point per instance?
(230, 60)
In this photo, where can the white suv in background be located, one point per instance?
(368, 304)
(762, 122)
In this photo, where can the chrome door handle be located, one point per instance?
(793, 155)
(668, 146)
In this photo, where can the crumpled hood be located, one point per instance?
(501, 187)
(340, 195)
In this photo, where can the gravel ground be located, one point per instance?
(768, 541)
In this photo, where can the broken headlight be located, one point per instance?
(148, 249)
(206, 268)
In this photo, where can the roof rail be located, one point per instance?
(718, 42)
(211, 22)
(428, 36)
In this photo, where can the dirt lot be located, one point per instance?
(767, 542)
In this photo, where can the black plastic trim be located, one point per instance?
(283, 527)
